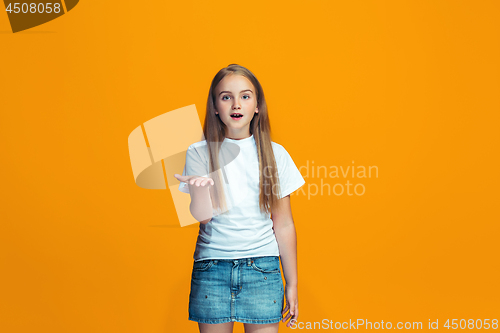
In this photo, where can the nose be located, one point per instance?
(236, 105)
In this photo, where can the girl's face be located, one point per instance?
(235, 94)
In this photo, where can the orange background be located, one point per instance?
(411, 87)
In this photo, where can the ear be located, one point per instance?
(256, 110)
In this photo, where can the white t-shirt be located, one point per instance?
(243, 231)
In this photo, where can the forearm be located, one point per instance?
(287, 243)
(201, 204)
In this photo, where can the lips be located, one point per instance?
(236, 115)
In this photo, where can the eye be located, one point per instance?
(246, 96)
(223, 97)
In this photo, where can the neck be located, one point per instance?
(238, 135)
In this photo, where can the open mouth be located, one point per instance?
(236, 115)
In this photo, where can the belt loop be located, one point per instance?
(249, 261)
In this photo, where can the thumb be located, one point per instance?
(293, 307)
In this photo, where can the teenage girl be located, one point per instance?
(240, 183)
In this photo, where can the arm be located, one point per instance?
(284, 229)
(201, 204)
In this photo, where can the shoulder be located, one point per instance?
(197, 145)
(278, 150)
(198, 151)
(200, 148)
(277, 147)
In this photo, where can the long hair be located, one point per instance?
(215, 132)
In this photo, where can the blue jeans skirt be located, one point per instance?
(247, 290)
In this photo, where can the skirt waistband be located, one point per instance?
(249, 261)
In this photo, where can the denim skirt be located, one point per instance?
(246, 290)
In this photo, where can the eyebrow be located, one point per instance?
(240, 91)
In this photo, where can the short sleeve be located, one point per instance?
(289, 175)
(195, 166)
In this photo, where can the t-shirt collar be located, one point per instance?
(241, 142)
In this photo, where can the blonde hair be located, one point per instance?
(215, 132)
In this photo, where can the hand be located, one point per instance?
(292, 304)
(195, 180)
